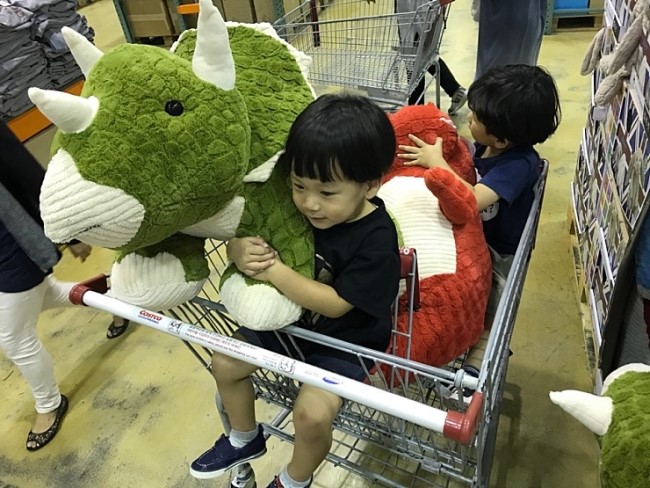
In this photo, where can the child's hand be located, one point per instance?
(251, 255)
(423, 154)
(267, 273)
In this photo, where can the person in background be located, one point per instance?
(448, 83)
(26, 284)
(509, 32)
(642, 264)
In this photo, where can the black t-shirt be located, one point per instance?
(360, 260)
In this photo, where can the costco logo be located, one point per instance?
(151, 317)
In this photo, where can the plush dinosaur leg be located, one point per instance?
(161, 276)
(255, 304)
(273, 216)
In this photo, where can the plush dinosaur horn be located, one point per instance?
(70, 113)
(84, 52)
(594, 412)
(213, 61)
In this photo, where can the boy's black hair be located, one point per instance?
(517, 103)
(341, 136)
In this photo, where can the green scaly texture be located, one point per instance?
(275, 92)
(182, 169)
(271, 83)
(625, 449)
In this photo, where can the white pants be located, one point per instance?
(18, 317)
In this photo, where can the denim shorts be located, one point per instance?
(317, 355)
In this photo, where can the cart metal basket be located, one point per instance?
(382, 49)
(408, 424)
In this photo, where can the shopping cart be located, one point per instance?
(409, 424)
(382, 49)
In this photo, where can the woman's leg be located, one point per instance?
(313, 416)
(509, 32)
(18, 317)
(56, 293)
(447, 81)
(414, 97)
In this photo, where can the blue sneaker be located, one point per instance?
(276, 483)
(223, 456)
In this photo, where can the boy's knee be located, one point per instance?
(315, 411)
(226, 368)
(311, 418)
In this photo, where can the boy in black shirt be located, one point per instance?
(339, 147)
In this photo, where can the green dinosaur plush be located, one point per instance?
(163, 149)
(621, 417)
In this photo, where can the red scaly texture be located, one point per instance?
(452, 308)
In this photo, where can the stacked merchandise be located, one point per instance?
(42, 57)
(22, 61)
(49, 17)
(612, 183)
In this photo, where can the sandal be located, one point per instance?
(116, 330)
(42, 439)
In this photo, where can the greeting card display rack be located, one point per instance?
(609, 196)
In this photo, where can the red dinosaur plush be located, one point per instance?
(438, 217)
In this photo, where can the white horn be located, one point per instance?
(85, 53)
(70, 113)
(594, 412)
(213, 61)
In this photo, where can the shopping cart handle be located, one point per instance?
(99, 284)
(460, 427)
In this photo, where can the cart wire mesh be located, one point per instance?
(381, 447)
(381, 49)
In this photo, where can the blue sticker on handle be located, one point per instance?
(331, 381)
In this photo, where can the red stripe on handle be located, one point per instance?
(460, 427)
(98, 284)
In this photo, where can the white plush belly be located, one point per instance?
(422, 224)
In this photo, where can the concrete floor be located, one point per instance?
(142, 407)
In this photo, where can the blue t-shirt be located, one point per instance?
(511, 175)
(17, 272)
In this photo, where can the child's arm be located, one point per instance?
(310, 294)
(255, 258)
(430, 156)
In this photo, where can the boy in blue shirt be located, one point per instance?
(512, 108)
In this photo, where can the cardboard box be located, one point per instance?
(148, 18)
(239, 10)
(191, 20)
(290, 5)
(264, 11)
(249, 11)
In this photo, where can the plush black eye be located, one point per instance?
(174, 108)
